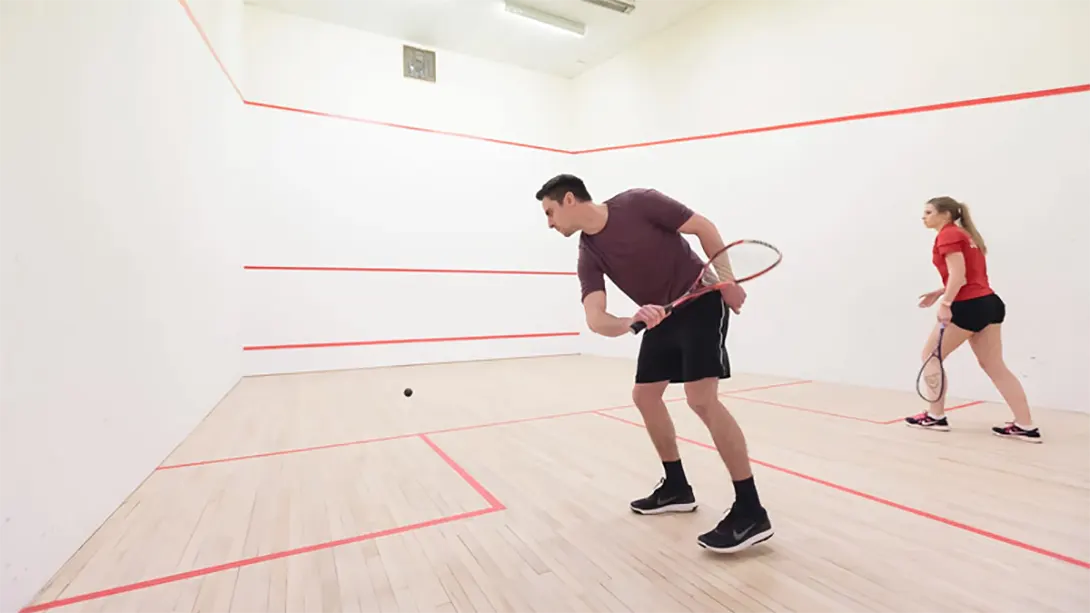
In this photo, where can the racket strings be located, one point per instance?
(931, 383)
(749, 259)
(755, 257)
(708, 277)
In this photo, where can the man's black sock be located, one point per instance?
(745, 496)
(675, 475)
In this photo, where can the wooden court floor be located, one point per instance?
(504, 486)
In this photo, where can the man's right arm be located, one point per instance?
(601, 322)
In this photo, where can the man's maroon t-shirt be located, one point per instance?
(640, 249)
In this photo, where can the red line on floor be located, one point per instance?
(269, 454)
(466, 271)
(464, 474)
(965, 405)
(403, 341)
(766, 387)
(395, 437)
(792, 407)
(494, 505)
(889, 503)
(803, 409)
(199, 572)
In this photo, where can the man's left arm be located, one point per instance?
(711, 242)
(672, 215)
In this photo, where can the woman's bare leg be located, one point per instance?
(988, 347)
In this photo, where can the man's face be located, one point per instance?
(560, 214)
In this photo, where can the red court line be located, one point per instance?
(468, 271)
(803, 409)
(792, 407)
(374, 122)
(1028, 95)
(1057, 91)
(494, 505)
(427, 433)
(200, 572)
(403, 341)
(394, 437)
(965, 405)
(493, 502)
(889, 503)
(270, 454)
(767, 387)
(208, 43)
(927, 108)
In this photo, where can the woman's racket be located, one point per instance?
(749, 259)
(931, 381)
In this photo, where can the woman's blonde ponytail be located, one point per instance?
(959, 212)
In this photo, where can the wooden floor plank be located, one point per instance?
(869, 516)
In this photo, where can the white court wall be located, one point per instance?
(120, 268)
(843, 199)
(220, 24)
(332, 186)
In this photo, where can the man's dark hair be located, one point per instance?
(556, 187)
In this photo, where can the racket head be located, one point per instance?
(751, 258)
(931, 380)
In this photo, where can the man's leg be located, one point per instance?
(730, 442)
(705, 360)
(658, 355)
(656, 418)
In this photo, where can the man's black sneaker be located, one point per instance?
(666, 500)
(737, 531)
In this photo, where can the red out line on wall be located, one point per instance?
(1059, 91)
(212, 50)
(404, 341)
(927, 108)
(375, 122)
(465, 271)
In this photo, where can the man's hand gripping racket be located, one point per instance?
(736, 263)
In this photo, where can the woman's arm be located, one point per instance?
(955, 264)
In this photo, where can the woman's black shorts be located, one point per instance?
(975, 314)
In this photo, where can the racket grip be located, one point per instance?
(638, 326)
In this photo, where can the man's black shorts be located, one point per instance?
(689, 345)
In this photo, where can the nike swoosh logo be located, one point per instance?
(741, 535)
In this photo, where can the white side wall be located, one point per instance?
(332, 192)
(120, 267)
(843, 200)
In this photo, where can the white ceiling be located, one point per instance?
(481, 28)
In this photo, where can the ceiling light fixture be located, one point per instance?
(556, 21)
(621, 6)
